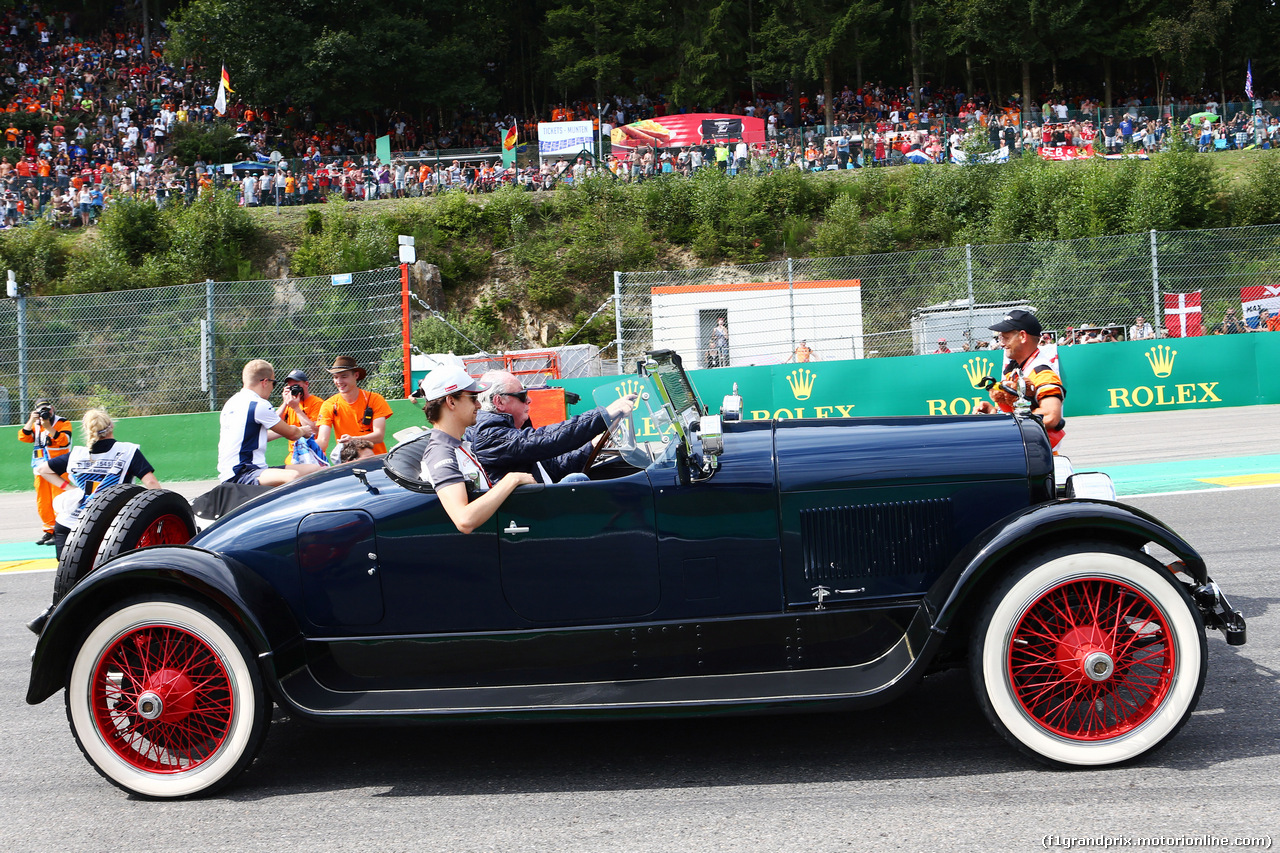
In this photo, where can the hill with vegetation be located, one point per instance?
(521, 269)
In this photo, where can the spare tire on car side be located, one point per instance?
(80, 552)
(152, 517)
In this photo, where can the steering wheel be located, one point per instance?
(596, 448)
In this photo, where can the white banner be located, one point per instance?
(565, 137)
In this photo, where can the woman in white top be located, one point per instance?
(85, 200)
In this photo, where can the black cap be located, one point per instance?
(1018, 321)
(297, 376)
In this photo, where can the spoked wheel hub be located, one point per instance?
(1091, 659)
(169, 696)
(1086, 654)
(162, 699)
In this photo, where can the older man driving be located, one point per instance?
(504, 440)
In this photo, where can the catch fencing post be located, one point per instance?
(1156, 308)
(791, 298)
(22, 356)
(617, 314)
(968, 273)
(404, 326)
(211, 362)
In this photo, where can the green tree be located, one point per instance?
(599, 43)
(345, 56)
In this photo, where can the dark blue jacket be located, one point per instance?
(561, 448)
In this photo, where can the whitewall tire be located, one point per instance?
(1088, 655)
(165, 699)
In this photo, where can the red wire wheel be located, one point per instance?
(168, 529)
(152, 517)
(162, 699)
(1092, 659)
(165, 697)
(1088, 654)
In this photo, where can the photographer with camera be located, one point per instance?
(352, 412)
(297, 389)
(51, 436)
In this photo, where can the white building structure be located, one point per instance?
(766, 320)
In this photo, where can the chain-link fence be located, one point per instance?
(908, 303)
(181, 349)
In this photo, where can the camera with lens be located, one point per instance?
(296, 390)
(45, 413)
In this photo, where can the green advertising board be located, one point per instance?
(1110, 378)
(1101, 379)
(180, 447)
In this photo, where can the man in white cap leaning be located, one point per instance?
(447, 463)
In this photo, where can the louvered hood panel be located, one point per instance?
(849, 543)
(874, 508)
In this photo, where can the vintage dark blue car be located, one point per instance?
(708, 565)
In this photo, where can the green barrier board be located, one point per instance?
(181, 447)
(1101, 379)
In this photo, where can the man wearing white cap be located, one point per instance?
(448, 463)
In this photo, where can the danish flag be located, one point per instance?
(1182, 315)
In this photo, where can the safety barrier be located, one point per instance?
(1101, 379)
(1113, 378)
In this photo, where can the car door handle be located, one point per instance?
(512, 528)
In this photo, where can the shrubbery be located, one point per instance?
(556, 252)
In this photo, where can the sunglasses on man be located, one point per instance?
(522, 396)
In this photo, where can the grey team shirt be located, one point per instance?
(448, 460)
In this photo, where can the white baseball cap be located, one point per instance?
(445, 380)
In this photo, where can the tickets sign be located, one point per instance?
(565, 137)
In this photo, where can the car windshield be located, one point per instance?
(667, 368)
(648, 436)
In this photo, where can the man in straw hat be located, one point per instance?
(352, 412)
(447, 463)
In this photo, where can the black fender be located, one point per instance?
(248, 600)
(986, 558)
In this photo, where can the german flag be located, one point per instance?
(509, 148)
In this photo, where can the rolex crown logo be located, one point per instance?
(1161, 359)
(631, 386)
(801, 382)
(976, 368)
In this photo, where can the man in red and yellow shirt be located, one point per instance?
(1029, 372)
(352, 412)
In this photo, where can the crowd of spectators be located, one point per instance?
(1233, 323)
(90, 117)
